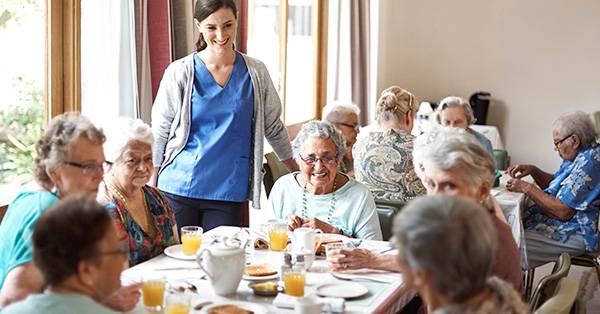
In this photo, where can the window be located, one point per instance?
(282, 34)
(22, 24)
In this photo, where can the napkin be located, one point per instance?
(333, 305)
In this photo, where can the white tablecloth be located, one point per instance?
(382, 298)
(492, 134)
(513, 204)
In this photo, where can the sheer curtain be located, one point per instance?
(348, 66)
(109, 85)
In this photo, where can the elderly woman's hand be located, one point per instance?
(293, 221)
(124, 299)
(315, 223)
(518, 185)
(353, 259)
(520, 171)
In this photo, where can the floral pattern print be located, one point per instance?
(383, 162)
(577, 184)
(142, 247)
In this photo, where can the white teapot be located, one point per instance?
(224, 264)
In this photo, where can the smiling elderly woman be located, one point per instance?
(141, 213)
(565, 214)
(318, 196)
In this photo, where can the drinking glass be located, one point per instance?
(294, 282)
(153, 291)
(191, 239)
(178, 303)
(331, 253)
(278, 236)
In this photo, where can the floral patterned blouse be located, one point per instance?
(577, 184)
(383, 162)
(142, 247)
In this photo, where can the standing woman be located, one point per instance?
(211, 113)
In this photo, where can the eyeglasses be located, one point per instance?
(87, 169)
(557, 143)
(122, 251)
(312, 159)
(348, 125)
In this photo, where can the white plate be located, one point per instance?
(344, 290)
(256, 308)
(175, 251)
(260, 278)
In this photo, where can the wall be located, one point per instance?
(538, 58)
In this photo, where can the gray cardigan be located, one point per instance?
(171, 116)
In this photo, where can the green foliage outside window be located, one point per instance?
(21, 126)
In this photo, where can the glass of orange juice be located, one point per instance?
(191, 239)
(294, 283)
(153, 291)
(178, 303)
(278, 236)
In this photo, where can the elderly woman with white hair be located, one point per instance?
(344, 116)
(450, 161)
(564, 217)
(446, 249)
(141, 213)
(456, 112)
(383, 158)
(320, 197)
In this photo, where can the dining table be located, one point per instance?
(513, 204)
(387, 292)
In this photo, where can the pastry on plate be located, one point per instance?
(259, 270)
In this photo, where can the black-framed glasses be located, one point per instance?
(355, 126)
(312, 159)
(557, 143)
(87, 169)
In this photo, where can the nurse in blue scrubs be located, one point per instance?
(211, 114)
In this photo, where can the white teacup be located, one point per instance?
(306, 239)
(308, 305)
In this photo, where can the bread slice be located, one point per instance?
(228, 309)
(259, 270)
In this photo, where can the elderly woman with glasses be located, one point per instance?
(318, 196)
(69, 161)
(446, 249)
(564, 217)
(142, 215)
(456, 112)
(383, 158)
(345, 118)
(450, 161)
(76, 249)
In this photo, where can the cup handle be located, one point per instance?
(320, 235)
(200, 259)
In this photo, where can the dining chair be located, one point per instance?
(563, 300)
(3, 211)
(386, 211)
(274, 169)
(547, 286)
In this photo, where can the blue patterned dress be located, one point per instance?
(576, 184)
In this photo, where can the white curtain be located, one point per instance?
(108, 61)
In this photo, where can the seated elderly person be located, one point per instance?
(446, 249)
(142, 215)
(450, 161)
(69, 160)
(76, 249)
(318, 196)
(383, 158)
(564, 217)
(457, 113)
(345, 118)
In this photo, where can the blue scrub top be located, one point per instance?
(215, 162)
